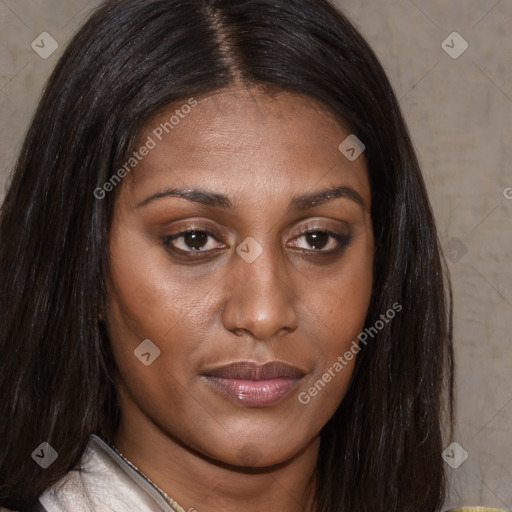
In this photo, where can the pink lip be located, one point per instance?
(254, 392)
(253, 384)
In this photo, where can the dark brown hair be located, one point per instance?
(381, 450)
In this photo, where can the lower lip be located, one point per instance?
(255, 393)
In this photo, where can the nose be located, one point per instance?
(260, 298)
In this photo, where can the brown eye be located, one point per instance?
(318, 240)
(192, 240)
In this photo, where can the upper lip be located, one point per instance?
(253, 371)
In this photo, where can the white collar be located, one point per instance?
(106, 482)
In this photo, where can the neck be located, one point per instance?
(200, 484)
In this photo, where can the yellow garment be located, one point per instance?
(476, 509)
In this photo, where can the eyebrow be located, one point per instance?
(300, 202)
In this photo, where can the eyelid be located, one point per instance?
(311, 225)
(316, 225)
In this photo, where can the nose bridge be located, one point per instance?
(260, 299)
(265, 273)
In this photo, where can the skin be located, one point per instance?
(291, 304)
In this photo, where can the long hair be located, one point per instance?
(381, 450)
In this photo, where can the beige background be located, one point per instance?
(459, 112)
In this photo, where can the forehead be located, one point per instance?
(245, 140)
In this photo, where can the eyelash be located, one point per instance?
(342, 240)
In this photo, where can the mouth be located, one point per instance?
(252, 384)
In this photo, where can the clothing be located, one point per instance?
(108, 482)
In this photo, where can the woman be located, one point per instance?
(304, 362)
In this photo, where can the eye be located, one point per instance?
(191, 240)
(319, 239)
(199, 241)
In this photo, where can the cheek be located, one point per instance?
(340, 309)
(150, 299)
(144, 307)
(146, 304)
(342, 302)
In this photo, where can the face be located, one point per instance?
(248, 271)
